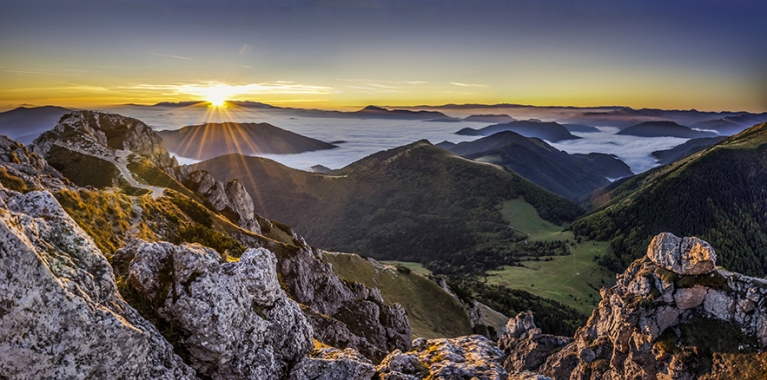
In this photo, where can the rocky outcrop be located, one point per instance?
(118, 141)
(22, 169)
(104, 135)
(344, 314)
(467, 357)
(661, 321)
(234, 319)
(685, 256)
(334, 364)
(528, 348)
(229, 198)
(60, 313)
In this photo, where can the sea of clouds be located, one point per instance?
(358, 138)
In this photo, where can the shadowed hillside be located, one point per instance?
(413, 203)
(717, 194)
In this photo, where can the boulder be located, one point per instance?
(334, 364)
(230, 198)
(344, 314)
(685, 256)
(524, 346)
(467, 357)
(234, 319)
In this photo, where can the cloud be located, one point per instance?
(387, 82)
(373, 89)
(170, 56)
(63, 73)
(634, 151)
(245, 49)
(467, 84)
(204, 90)
(70, 87)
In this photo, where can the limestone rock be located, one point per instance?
(686, 256)
(467, 357)
(527, 348)
(61, 315)
(235, 320)
(231, 198)
(334, 364)
(688, 298)
(101, 134)
(359, 318)
(30, 168)
(527, 375)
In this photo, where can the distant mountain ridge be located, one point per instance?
(529, 128)
(216, 139)
(567, 175)
(663, 129)
(24, 124)
(690, 147)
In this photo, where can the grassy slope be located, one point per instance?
(432, 312)
(717, 195)
(573, 280)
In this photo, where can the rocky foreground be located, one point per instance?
(63, 317)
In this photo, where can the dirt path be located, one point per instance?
(120, 162)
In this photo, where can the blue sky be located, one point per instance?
(667, 54)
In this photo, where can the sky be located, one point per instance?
(672, 54)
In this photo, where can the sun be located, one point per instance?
(216, 101)
(217, 95)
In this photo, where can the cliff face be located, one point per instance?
(61, 314)
(233, 318)
(671, 315)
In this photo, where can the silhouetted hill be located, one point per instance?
(490, 118)
(690, 147)
(413, 203)
(580, 128)
(722, 126)
(373, 112)
(25, 124)
(717, 194)
(567, 175)
(663, 129)
(216, 139)
(543, 130)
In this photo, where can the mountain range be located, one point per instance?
(569, 175)
(155, 270)
(550, 131)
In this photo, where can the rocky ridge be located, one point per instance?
(343, 314)
(190, 285)
(671, 315)
(122, 141)
(229, 198)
